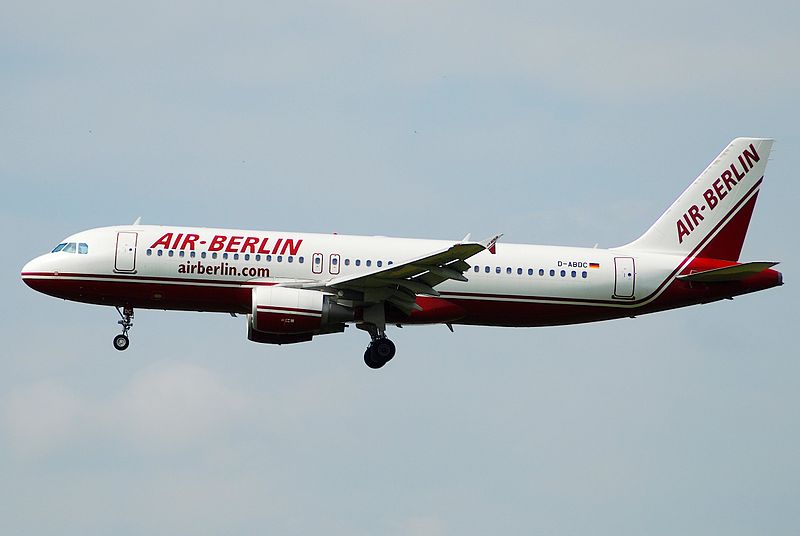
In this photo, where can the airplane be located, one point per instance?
(295, 286)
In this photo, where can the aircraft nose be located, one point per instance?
(29, 272)
(31, 267)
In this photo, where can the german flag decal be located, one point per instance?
(594, 265)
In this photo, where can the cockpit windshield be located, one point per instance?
(81, 248)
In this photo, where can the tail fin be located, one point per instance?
(711, 217)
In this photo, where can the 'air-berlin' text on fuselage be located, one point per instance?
(726, 182)
(230, 244)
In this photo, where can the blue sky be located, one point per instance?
(572, 124)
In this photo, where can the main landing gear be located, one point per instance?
(121, 341)
(379, 352)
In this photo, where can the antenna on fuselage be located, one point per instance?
(138, 221)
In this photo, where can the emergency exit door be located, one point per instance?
(625, 279)
(125, 260)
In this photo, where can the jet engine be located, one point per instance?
(282, 315)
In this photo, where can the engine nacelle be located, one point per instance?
(282, 315)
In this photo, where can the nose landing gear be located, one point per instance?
(121, 341)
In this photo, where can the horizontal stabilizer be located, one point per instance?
(729, 273)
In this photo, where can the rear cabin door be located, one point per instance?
(125, 260)
(625, 279)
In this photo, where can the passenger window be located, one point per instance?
(497, 270)
(202, 254)
(389, 263)
(59, 248)
(552, 273)
(488, 270)
(477, 268)
(70, 248)
(83, 248)
(214, 255)
(379, 263)
(269, 258)
(258, 258)
(347, 262)
(149, 252)
(170, 253)
(279, 258)
(583, 275)
(334, 260)
(574, 273)
(563, 273)
(369, 262)
(358, 262)
(530, 271)
(236, 256)
(508, 270)
(160, 252)
(317, 260)
(192, 254)
(519, 271)
(182, 253)
(247, 256)
(541, 271)
(290, 259)
(300, 260)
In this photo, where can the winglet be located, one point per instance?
(491, 243)
(466, 238)
(138, 221)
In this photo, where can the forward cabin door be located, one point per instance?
(625, 279)
(125, 259)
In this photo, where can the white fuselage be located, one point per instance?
(165, 267)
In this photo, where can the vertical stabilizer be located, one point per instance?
(711, 217)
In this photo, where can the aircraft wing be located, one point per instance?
(400, 283)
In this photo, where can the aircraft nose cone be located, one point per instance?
(31, 267)
(29, 272)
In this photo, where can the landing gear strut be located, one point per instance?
(121, 341)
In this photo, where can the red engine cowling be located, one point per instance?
(283, 315)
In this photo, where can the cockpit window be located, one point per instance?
(72, 247)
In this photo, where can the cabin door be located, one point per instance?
(125, 260)
(625, 279)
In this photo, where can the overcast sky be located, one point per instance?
(561, 123)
